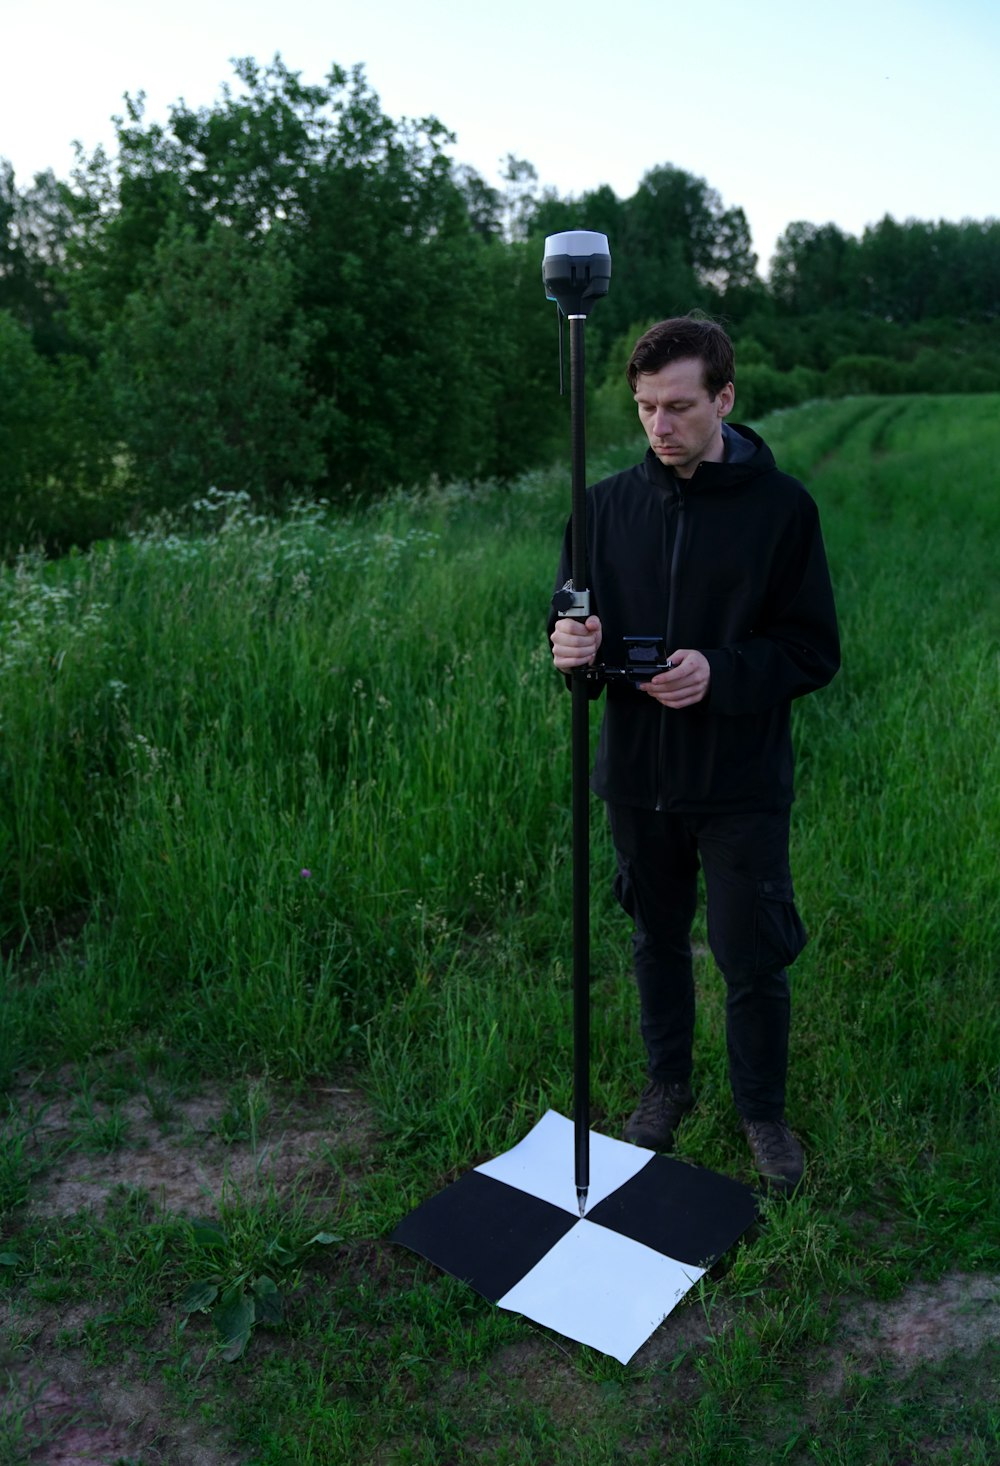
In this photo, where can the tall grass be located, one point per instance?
(284, 770)
(290, 772)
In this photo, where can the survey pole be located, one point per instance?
(576, 269)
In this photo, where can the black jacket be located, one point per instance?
(731, 563)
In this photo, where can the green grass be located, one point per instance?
(286, 806)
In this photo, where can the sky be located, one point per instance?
(827, 113)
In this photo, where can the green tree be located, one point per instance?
(58, 485)
(815, 268)
(919, 271)
(205, 367)
(672, 205)
(674, 247)
(393, 264)
(36, 224)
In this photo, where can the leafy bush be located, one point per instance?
(58, 485)
(761, 389)
(859, 375)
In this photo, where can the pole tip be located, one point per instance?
(581, 1197)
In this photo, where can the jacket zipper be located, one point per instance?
(675, 561)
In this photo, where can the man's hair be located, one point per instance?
(681, 339)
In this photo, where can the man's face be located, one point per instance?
(683, 424)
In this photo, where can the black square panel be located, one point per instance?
(484, 1232)
(680, 1210)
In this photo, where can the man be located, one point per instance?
(708, 545)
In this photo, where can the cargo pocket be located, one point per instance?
(779, 935)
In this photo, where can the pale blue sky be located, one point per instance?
(832, 112)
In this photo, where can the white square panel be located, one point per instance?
(543, 1163)
(602, 1289)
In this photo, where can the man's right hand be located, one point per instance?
(575, 643)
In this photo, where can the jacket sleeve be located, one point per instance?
(796, 648)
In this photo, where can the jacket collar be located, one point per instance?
(747, 456)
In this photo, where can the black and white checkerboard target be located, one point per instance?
(511, 1229)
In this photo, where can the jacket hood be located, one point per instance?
(747, 456)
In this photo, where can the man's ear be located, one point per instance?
(724, 400)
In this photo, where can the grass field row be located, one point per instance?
(285, 810)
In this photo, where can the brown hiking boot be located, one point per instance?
(660, 1110)
(777, 1154)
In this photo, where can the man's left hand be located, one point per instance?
(685, 684)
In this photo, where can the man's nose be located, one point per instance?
(661, 424)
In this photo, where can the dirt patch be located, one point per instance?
(928, 1322)
(73, 1415)
(182, 1155)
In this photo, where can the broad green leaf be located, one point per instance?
(268, 1300)
(199, 1297)
(233, 1322)
(234, 1348)
(207, 1234)
(281, 1253)
(233, 1291)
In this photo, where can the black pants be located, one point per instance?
(754, 933)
